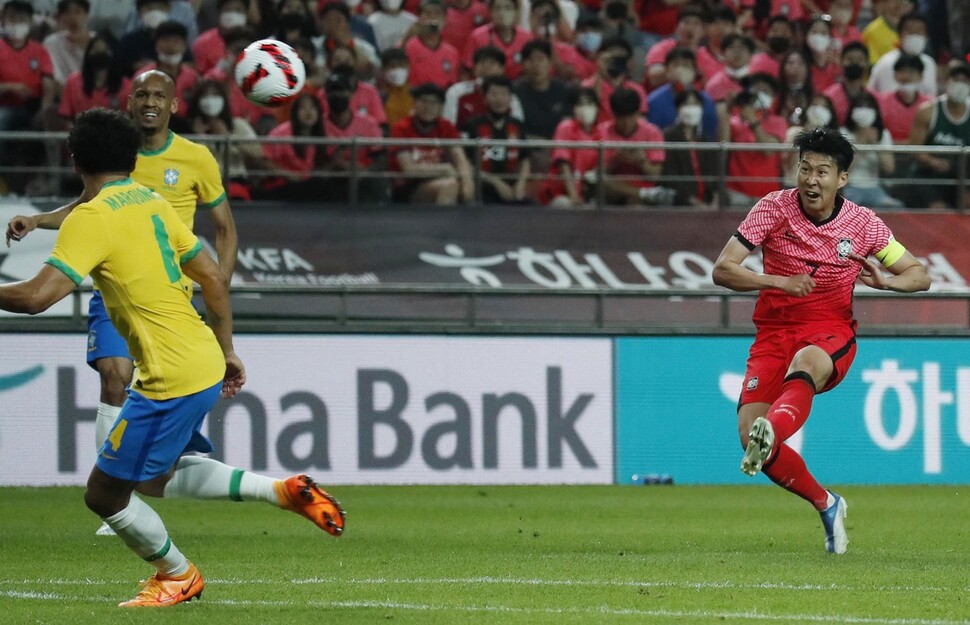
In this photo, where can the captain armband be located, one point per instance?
(891, 253)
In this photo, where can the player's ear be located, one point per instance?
(174, 106)
(843, 178)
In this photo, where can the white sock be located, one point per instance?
(107, 415)
(196, 477)
(830, 500)
(143, 531)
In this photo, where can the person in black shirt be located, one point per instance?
(543, 97)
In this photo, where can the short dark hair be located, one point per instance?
(681, 53)
(781, 18)
(488, 52)
(854, 45)
(912, 16)
(829, 142)
(63, 5)
(103, 141)
(691, 11)
(908, 61)
(616, 42)
(171, 28)
(244, 34)
(763, 77)
(17, 6)
(732, 38)
(140, 3)
(625, 102)
(682, 96)
(959, 69)
(222, 3)
(392, 55)
(496, 81)
(536, 45)
(723, 13)
(428, 88)
(334, 5)
(583, 92)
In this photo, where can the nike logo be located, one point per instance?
(187, 588)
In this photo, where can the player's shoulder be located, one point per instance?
(857, 212)
(783, 200)
(181, 144)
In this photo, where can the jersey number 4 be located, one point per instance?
(168, 254)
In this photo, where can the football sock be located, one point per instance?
(107, 415)
(196, 477)
(789, 412)
(787, 469)
(142, 530)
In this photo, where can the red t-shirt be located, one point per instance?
(209, 48)
(439, 66)
(405, 129)
(897, 116)
(461, 22)
(762, 62)
(656, 16)
(606, 89)
(27, 65)
(285, 154)
(362, 126)
(486, 36)
(580, 160)
(722, 87)
(793, 244)
(74, 100)
(763, 166)
(825, 77)
(569, 55)
(366, 100)
(840, 101)
(707, 63)
(645, 131)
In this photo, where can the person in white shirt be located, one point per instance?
(912, 41)
(66, 45)
(390, 24)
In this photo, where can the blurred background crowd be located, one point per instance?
(683, 75)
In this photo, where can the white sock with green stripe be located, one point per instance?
(196, 477)
(107, 415)
(143, 531)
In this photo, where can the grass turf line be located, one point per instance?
(530, 555)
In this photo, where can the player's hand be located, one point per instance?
(19, 226)
(235, 376)
(870, 275)
(799, 286)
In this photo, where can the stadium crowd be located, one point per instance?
(677, 73)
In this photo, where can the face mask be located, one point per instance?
(17, 32)
(908, 88)
(504, 17)
(958, 91)
(819, 42)
(392, 5)
(153, 18)
(170, 59)
(854, 71)
(684, 75)
(778, 44)
(586, 114)
(690, 114)
(232, 19)
(100, 60)
(616, 10)
(913, 44)
(589, 40)
(841, 17)
(338, 103)
(740, 72)
(864, 116)
(211, 105)
(397, 76)
(818, 115)
(352, 3)
(764, 100)
(617, 66)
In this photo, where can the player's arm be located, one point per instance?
(908, 274)
(728, 272)
(20, 225)
(917, 136)
(227, 242)
(36, 295)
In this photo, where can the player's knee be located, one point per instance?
(115, 378)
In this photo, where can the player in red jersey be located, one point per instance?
(815, 244)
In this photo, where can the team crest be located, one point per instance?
(34, 64)
(752, 383)
(446, 66)
(844, 248)
(92, 340)
(171, 177)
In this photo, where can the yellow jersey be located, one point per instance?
(132, 243)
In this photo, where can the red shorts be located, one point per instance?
(773, 350)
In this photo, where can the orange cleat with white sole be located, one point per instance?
(302, 495)
(160, 592)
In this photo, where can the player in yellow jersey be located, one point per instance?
(184, 173)
(137, 250)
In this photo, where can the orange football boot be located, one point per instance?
(302, 495)
(159, 592)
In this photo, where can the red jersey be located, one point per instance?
(27, 65)
(645, 132)
(461, 22)
(722, 87)
(580, 160)
(74, 100)
(208, 50)
(707, 63)
(793, 244)
(762, 62)
(366, 100)
(897, 116)
(286, 155)
(826, 76)
(405, 129)
(656, 16)
(362, 126)
(755, 173)
(840, 101)
(496, 159)
(606, 89)
(486, 36)
(439, 65)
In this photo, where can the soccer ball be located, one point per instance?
(270, 73)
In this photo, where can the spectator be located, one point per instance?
(366, 100)
(66, 46)
(817, 114)
(429, 173)
(178, 10)
(613, 72)
(504, 170)
(822, 54)
(689, 32)
(630, 173)
(360, 28)
(111, 17)
(208, 114)
(564, 188)
(343, 121)
(865, 128)
(137, 47)
(881, 35)
(431, 58)
(843, 25)
(296, 22)
(395, 91)
(315, 76)
(543, 98)
(27, 87)
(688, 171)
(465, 99)
(333, 22)
(854, 65)
(210, 47)
(723, 22)
(912, 38)
(224, 71)
(547, 25)
(658, 20)
(898, 107)
(779, 36)
(943, 122)
(501, 33)
(171, 42)
(298, 161)
(619, 23)
(794, 82)
(589, 36)
(681, 73)
(390, 24)
(737, 51)
(752, 175)
(98, 83)
(462, 18)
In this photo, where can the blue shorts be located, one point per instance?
(149, 436)
(103, 340)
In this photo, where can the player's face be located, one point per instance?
(152, 103)
(819, 180)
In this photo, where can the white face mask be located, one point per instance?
(864, 116)
(392, 5)
(589, 40)
(908, 88)
(232, 19)
(17, 32)
(765, 100)
(683, 75)
(818, 115)
(153, 18)
(211, 105)
(691, 114)
(958, 91)
(738, 73)
(586, 114)
(170, 59)
(397, 76)
(819, 42)
(913, 44)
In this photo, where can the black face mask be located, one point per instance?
(616, 10)
(854, 71)
(617, 66)
(100, 60)
(338, 103)
(778, 44)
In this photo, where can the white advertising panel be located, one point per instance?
(347, 410)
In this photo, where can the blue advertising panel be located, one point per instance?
(902, 415)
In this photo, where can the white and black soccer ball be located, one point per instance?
(270, 72)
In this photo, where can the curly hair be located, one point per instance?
(103, 141)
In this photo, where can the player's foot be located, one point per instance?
(761, 439)
(303, 496)
(833, 519)
(159, 592)
(105, 530)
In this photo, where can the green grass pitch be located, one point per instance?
(521, 555)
